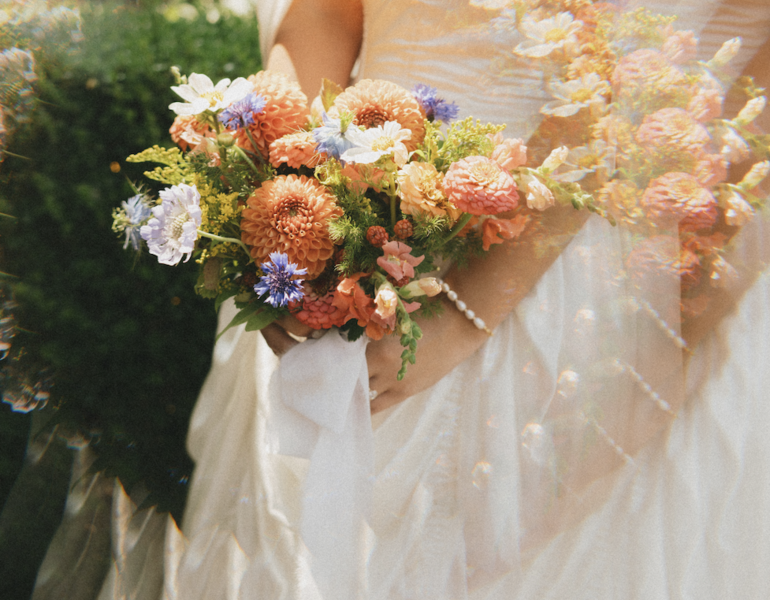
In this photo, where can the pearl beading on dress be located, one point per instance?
(463, 308)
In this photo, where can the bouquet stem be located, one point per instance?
(226, 240)
(245, 157)
(462, 222)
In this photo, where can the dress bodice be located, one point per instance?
(451, 45)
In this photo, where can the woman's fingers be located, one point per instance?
(293, 326)
(278, 339)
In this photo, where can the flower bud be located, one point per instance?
(756, 175)
(751, 111)
(387, 302)
(225, 139)
(734, 149)
(539, 197)
(722, 273)
(427, 286)
(556, 158)
(177, 75)
(738, 212)
(726, 53)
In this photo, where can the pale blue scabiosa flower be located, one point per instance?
(436, 109)
(137, 212)
(241, 114)
(173, 230)
(278, 280)
(330, 138)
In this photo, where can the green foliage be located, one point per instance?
(641, 28)
(177, 168)
(127, 340)
(467, 138)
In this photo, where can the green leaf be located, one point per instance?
(262, 319)
(228, 293)
(243, 316)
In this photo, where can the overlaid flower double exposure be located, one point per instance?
(641, 112)
(340, 211)
(338, 215)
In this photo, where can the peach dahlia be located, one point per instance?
(286, 110)
(374, 102)
(290, 214)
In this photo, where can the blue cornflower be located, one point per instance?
(137, 212)
(241, 114)
(436, 109)
(278, 281)
(330, 138)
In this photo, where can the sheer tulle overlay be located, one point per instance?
(521, 474)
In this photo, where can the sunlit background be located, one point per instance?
(99, 347)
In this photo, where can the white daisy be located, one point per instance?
(571, 96)
(547, 35)
(200, 94)
(372, 144)
(597, 157)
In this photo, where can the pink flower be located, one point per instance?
(296, 150)
(509, 153)
(397, 260)
(679, 197)
(494, 231)
(681, 46)
(739, 212)
(387, 303)
(351, 299)
(318, 312)
(706, 104)
(480, 186)
(647, 73)
(672, 129)
(710, 169)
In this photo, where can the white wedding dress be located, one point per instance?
(469, 497)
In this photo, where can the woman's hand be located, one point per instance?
(447, 341)
(278, 334)
(491, 285)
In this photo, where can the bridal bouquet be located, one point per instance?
(337, 213)
(643, 120)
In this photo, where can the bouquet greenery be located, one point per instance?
(340, 213)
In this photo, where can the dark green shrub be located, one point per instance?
(126, 340)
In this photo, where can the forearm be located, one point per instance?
(492, 285)
(318, 39)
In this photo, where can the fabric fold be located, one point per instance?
(321, 412)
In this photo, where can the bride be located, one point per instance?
(578, 452)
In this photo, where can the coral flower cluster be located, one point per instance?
(480, 186)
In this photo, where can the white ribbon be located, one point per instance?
(324, 388)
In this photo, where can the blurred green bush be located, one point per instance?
(126, 340)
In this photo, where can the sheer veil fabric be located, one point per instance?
(476, 492)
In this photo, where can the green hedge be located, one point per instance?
(127, 341)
